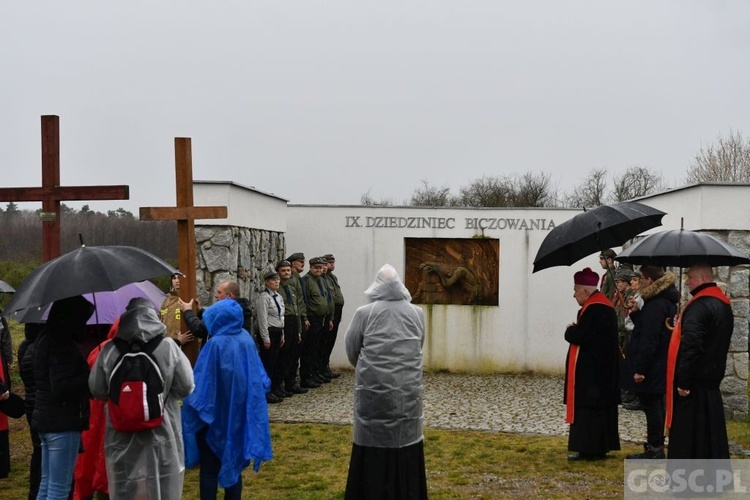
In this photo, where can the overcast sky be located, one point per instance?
(322, 101)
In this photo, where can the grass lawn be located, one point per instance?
(311, 462)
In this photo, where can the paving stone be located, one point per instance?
(525, 404)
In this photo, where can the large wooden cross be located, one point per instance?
(185, 214)
(51, 193)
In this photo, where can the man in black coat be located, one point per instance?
(647, 353)
(591, 378)
(698, 355)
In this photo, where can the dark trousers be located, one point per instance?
(35, 469)
(329, 338)
(287, 352)
(209, 474)
(309, 361)
(655, 414)
(270, 356)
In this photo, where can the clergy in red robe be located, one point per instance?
(696, 365)
(591, 377)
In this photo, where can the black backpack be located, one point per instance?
(136, 402)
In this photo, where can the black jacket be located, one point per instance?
(649, 342)
(707, 327)
(61, 374)
(597, 367)
(26, 369)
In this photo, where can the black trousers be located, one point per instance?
(309, 361)
(269, 356)
(286, 364)
(655, 414)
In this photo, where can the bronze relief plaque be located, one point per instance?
(461, 271)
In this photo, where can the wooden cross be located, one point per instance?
(185, 214)
(51, 193)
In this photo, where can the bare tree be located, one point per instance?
(534, 190)
(591, 192)
(431, 196)
(635, 182)
(367, 199)
(488, 192)
(726, 161)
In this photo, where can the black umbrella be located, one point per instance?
(681, 248)
(6, 288)
(86, 270)
(593, 231)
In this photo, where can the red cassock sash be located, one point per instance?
(674, 347)
(596, 298)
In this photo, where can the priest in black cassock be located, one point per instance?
(695, 368)
(591, 373)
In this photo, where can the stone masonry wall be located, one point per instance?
(235, 253)
(737, 279)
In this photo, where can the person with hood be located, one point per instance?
(225, 420)
(61, 409)
(647, 353)
(26, 370)
(591, 373)
(384, 343)
(149, 463)
(91, 469)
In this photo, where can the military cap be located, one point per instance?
(271, 275)
(316, 260)
(329, 257)
(283, 263)
(296, 256)
(623, 274)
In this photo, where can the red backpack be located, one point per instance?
(136, 402)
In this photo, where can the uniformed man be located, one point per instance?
(297, 261)
(288, 360)
(338, 307)
(270, 314)
(320, 318)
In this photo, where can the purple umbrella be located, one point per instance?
(109, 305)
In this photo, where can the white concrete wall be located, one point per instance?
(525, 332)
(703, 207)
(246, 207)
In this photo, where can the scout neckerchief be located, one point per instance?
(596, 298)
(674, 347)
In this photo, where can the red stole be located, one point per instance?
(596, 298)
(674, 347)
(3, 416)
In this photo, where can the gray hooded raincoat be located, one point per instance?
(384, 344)
(148, 464)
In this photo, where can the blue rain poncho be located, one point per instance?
(146, 464)
(229, 396)
(384, 344)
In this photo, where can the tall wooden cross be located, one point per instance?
(51, 193)
(185, 214)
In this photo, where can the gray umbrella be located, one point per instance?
(682, 248)
(6, 288)
(86, 270)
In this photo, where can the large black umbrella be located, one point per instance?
(681, 248)
(6, 288)
(86, 270)
(593, 231)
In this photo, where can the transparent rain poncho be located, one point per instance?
(384, 344)
(147, 464)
